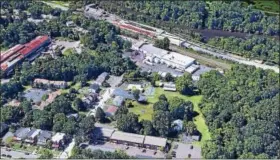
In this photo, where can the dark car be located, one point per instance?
(26, 153)
(9, 156)
(3, 155)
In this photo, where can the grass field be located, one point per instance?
(146, 111)
(267, 6)
(68, 51)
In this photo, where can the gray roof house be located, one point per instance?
(43, 137)
(90, 99)
(118, 101)
(127, 95)
(21, 134)
(94, 88)
(101, 78)
(32, 135)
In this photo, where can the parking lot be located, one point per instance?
(35, 94)
(132, 151)
(185, 150)
(67, 45)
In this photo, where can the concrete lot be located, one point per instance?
(67, 44)
(184, 150)
(132, 151)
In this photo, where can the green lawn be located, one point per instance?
(27, 87)
(68, 51)
(146, 111)
(267, 6)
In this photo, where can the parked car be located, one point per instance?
(176, 146)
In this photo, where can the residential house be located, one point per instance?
(101, 78)
(90, 99)
(44, 137)
(111, 111)
(118, 101)
(103, 134)
(32, 136)
(58, 140)
(129, 139)
(21, 134)
(94, 88)
(155, 143)
(3, 129)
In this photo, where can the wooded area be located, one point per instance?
(242, 112)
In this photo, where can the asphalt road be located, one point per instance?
(17, 154)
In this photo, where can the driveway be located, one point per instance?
(67, 152)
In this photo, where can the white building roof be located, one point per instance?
(178, 59)
(129, 137)
(157, 141)
(135, 86)
(58, 137)
(192, 68)
(150, 50)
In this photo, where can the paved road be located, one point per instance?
(17, 154)
(89, 12)
(107, 94)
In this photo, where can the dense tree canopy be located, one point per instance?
(254, 47)
(242, 111)
(180, 15)
(98, 154)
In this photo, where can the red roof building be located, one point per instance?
(33, 45)
(5, 55)
(17, 53)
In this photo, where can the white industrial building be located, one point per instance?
(156, 55)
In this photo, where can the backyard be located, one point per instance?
(145, 111)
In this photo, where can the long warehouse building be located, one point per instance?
(158, 55)
(18, 53)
